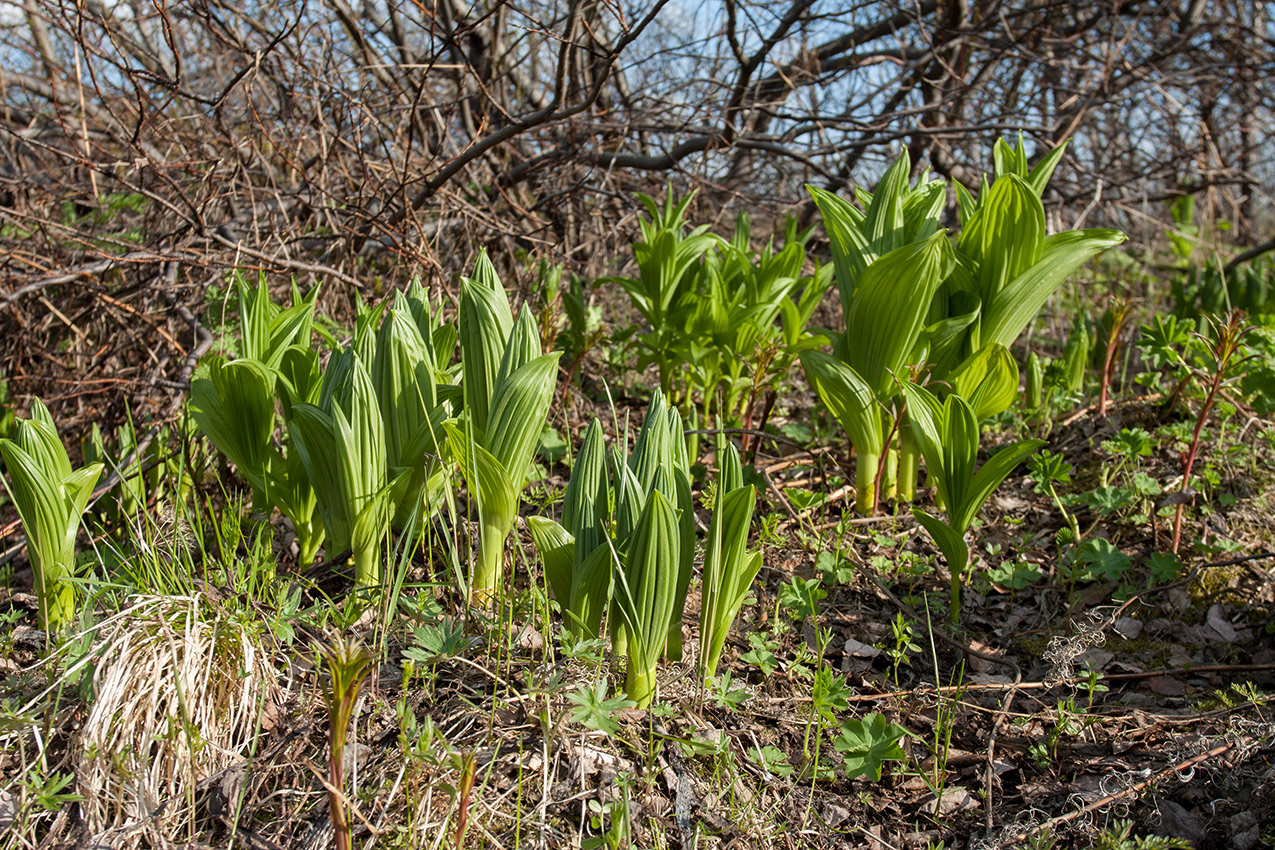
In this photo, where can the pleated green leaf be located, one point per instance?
(929, 430)
(988, 379)
(313, 437)
(518, 412)
(889, 309)
(299, 377)
(522, 347)
(1009, 312)
(1005, 236)
(990, 476)
(485, 324)
(646, 593)
(883, 216)
(1038, 177)
(950, 542)
(403, 374)
(557, 548)
(586, 489)
(360, 435)
(849, 398)
(496, 496)
(729, 570)
(844, 226)
(960, 451)
(50, 498)
(591, 592)
(233, 405)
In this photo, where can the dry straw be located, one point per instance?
(181, 693)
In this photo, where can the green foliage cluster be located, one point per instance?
(362, 438)
(710, 305)
(917, 305)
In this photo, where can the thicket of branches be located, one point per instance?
(148, 146)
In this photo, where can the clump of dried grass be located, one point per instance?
(181, 692)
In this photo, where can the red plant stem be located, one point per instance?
(464, 787)
(336, 805)
(1107, 367)
(1229, 336)
(881, 461)
(1195, 448)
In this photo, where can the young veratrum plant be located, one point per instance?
(1005, 267)
(659, 462)
(885, 314)
(646, 592)
(729, 568)
(577, 553)
(594, 560)
(508, 386)
(232, 403)
(341, 445)
(405, 374)
(50, 497)
(947, 433)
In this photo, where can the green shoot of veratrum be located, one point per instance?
(948, 436)
(729, 567)
(508, 386)
(50, 497)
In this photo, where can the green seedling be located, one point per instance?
(947, 433)
(646, 593)
(659, 461)
(884, 320)
(508, 385)
(50, 497)
(577, 553)
(729, 567)
(340, 443)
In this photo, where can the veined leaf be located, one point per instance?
(517, 414)
(233, 404)
(590, 591)
(847, 396)
(1009, 312)
(485, 325)
(1005, 236)
(889, 308)
(990, 476)
(646, 593)
(988, 379)
(313, 437)
(50, 498)
(950, 542)
(557, 552)
(585, 495)
(1038, 177)
(843, 224)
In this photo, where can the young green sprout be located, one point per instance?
(883, 323)
(508, 386)
(729, 567)
(341, 445)
(577, 553)
(947, 433)
(50, 497)
(646, 593)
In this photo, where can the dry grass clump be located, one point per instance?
(181, 692)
